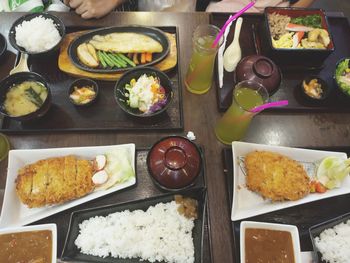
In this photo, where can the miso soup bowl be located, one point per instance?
(18, 78)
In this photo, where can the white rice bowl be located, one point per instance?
(158, 234)
(37, 35)
(334, 243)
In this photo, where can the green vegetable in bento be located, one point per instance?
(332, 171)
(342, 75)
(314, 21)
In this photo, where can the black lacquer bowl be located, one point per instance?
(58, 23)
(18, 78)
(121, 94)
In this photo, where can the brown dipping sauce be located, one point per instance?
(28, 247)
(268, 246)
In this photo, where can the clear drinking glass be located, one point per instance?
(199, 75)
(234, 123)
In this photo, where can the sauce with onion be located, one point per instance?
(268, 246)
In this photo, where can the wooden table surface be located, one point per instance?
(200, 115)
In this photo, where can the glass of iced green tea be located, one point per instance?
(234, 123)
(199, 75)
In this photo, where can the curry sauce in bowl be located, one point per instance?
(265, 242)
(35, 244)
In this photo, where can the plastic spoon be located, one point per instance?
(270, 105)
(22, 64)
(233, 52)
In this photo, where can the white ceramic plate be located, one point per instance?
(50, 227)
(247, 203)
(14, 213)
(293, 230)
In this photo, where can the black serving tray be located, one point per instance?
(251, 40)
(72, 253)
(144, 188)
(104, 114)
(316, 230)
(303, 216)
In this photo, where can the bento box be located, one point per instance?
(297, 36)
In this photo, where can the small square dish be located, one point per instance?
(46, 179)
(247, 203)
(331, 236)
(297, 35)
(261, 242)
(93, 237)
(37, 243)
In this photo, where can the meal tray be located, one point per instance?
(291, 77)
(303, 216)
(104, 114)
(143, 189)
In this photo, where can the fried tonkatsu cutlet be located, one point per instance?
(276, 176)
(54, 181)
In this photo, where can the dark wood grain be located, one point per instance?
(200, 116)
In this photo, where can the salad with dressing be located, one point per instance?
(146, 94)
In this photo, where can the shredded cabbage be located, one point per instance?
(332, 171)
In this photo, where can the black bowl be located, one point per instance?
(326, 90)
(18, 78)
(120, 92)
(316, 230)
(346, 92)
(3, 45)
(81, 83)
(59, 25)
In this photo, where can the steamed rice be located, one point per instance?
(158, 234)
(334, 243)
(37, 35)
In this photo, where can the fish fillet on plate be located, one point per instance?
(54, 181)
(276, 176)
(126, 43)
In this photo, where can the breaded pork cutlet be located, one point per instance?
(276, 176)
(54, 181)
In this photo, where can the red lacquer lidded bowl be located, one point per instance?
(174, 163)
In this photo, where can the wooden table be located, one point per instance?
(200, 113)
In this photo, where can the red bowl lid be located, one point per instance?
(174, 162)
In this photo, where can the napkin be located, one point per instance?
(221, 56)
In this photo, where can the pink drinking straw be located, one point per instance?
(230, 20)
(270, 105)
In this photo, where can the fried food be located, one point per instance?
(276, 176)
(126, 43)
(54, 181)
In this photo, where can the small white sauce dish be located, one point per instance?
(293, 230)
(50, 227)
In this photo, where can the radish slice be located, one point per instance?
(100, 162)
(100, 177)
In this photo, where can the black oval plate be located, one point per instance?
(152, 32)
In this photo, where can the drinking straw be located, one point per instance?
(230, 20)
(270, 105)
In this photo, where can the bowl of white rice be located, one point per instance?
(331, 240)
(37, 33)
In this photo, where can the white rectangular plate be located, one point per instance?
(50, 227)
(14, 213)
(247, 203)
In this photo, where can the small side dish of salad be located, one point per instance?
(342, 75)
(146, 94)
